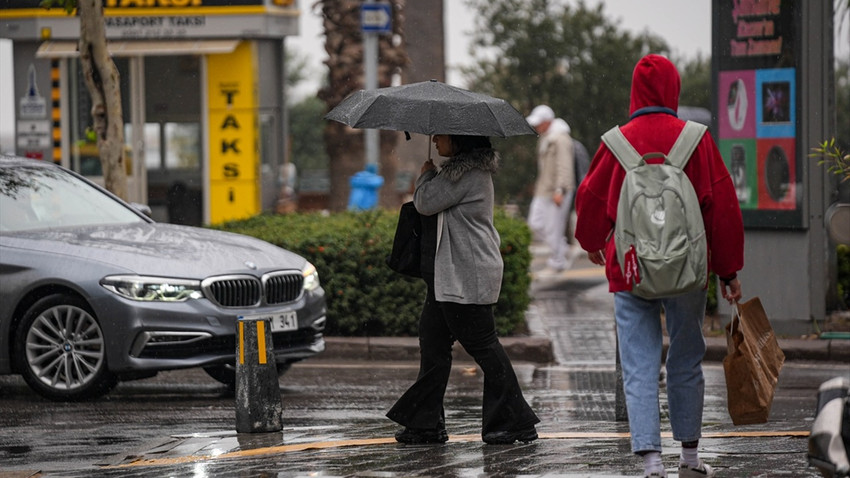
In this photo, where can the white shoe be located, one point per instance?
(559, 265)
(702, 471)
(575, 252)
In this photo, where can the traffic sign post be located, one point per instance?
(375, 19)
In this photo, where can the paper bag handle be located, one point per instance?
(736, 317)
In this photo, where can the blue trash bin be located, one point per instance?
(364, 189)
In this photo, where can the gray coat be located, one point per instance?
(468, 265)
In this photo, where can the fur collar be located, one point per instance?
(485, 159)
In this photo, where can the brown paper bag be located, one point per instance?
(752, 364)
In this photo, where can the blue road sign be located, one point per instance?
(376, 18)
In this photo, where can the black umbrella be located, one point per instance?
(431, 107)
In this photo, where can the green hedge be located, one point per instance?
(711, 301)
(366, 298)
(843, 253)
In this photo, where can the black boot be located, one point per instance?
(508, 437)
(416, 436)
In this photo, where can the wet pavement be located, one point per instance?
(183, 424)
(334, 426)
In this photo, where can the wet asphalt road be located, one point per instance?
(182, 423)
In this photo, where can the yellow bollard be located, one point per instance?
(258, 400)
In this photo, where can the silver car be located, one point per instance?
(92, 291)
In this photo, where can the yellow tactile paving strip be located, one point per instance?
(273, 450)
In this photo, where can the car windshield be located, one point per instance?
(33, 198)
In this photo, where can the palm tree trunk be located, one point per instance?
(103, 82)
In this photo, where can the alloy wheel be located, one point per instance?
(64, 347)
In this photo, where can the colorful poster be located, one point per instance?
(756, 76)
(737, 117)
(756, 136)
(775, 96)
(740, 157)
(777, 173)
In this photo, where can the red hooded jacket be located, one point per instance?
(656, 83)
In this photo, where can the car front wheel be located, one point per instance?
(60, 350)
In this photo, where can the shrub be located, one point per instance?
(711, 300)
(365, 297)
(843, 285)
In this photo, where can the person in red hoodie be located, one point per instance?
(653, 127)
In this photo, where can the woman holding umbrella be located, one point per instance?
(462, 267)
(461, 262)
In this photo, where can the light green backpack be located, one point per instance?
(659, 233)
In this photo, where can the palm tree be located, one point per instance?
(344, 45)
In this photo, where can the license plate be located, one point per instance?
(280, 321)
(285, 322)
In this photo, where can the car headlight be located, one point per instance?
(153, 289)
(311, 277)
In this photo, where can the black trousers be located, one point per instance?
(440, 324)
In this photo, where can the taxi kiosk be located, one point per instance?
(202, 85)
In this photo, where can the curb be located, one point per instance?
(831, 350)
(538, 349)
(519, 349)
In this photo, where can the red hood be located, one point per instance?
(655, 82)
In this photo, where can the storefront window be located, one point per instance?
(182, 146)
(153, 154)
(181, 143)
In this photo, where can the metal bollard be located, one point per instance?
(258, 404)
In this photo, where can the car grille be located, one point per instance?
(249, 291)
(282, 288)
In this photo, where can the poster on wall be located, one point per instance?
(755, 70)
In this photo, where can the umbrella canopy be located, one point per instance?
(431, 107)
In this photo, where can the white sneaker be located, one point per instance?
(576, 252)
(558, 265)
(702, 471)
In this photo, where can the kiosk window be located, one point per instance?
(170, 146)
(182, 146)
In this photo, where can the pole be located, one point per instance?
(370, 60)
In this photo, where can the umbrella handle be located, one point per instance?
(429, 147)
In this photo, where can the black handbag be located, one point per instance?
(407, 244)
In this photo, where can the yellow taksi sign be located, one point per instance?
(234, 159)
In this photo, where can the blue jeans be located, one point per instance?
(640, 341)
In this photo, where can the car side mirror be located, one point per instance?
(143, 208)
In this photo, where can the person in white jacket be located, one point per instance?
(555, 185)
(462, 266)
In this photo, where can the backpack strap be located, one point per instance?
(622, 149)
(686, 143)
